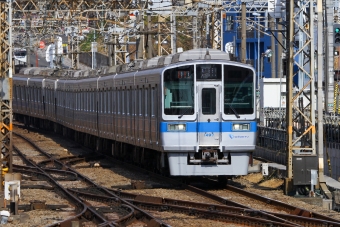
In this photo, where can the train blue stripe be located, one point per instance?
(208, 127)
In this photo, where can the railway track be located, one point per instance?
(222, 210)
(127, 212)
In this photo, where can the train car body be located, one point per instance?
(194, 111)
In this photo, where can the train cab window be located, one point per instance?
(178, 91)
(238, 91)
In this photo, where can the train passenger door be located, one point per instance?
(209, 113)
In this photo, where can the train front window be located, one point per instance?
(208, 101)
(179, 91)
(238, 90)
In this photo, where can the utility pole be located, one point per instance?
(243, 33)
(6, 73)
(273, 48)
(300, 111)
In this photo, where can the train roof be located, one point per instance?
(156, 62)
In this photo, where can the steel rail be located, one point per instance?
(90, 182)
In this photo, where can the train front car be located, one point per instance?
(208, 117)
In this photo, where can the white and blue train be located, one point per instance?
(190, 113)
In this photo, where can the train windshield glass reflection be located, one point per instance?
(179, 91)
(238, 90)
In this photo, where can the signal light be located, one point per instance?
(336, 29)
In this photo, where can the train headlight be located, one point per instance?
(241, 127)
(177, 127)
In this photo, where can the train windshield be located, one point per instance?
(238, 90)
(179, 91)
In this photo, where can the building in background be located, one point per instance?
(232, 40)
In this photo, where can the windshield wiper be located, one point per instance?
(235, 112)
(185, 111)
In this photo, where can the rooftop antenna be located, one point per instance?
(207, 55)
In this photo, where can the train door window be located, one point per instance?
(136, 101)
(88, 101)
(146, 97)
(82, 98)
(208, 101)
(76, 102)
(33, 94)
(118, 102)
(39, 95)
(14, 92)
(79, 100)
(98, 102)
(127, 101)
(83, 103)
(104, 101)
(114, 92)
(91, 101)
(21, 92)
(123, 102)
(94, 101)
(133, 102)
(103, 108)
(94, 107)
(57, 96)
(107, 103)
(140, 102)
(153, 101)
